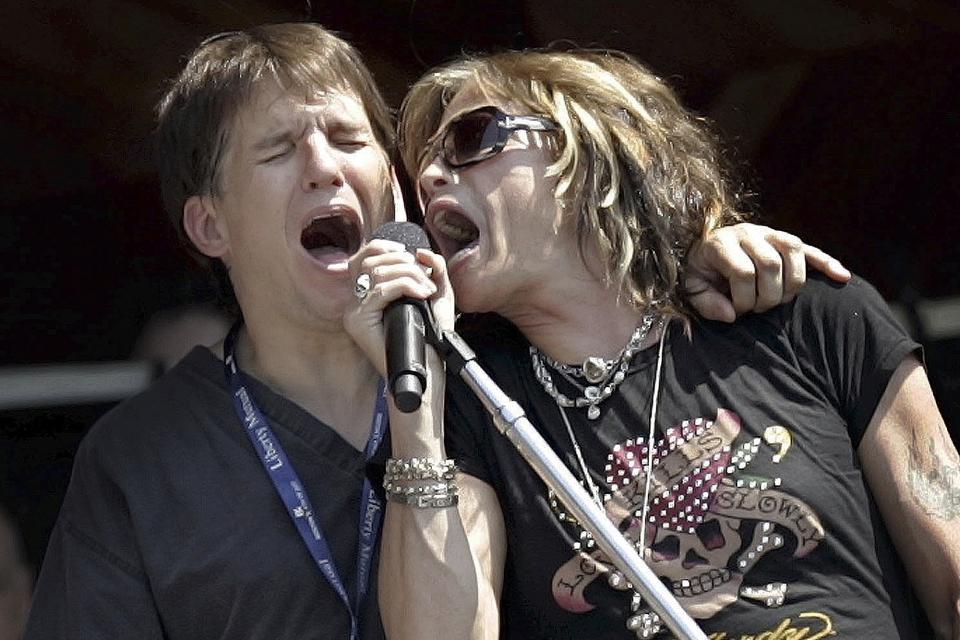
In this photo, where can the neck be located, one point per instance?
(579, 318)
(320, 369)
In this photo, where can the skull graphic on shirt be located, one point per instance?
(706, 523)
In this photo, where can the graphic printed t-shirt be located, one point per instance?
(758, 518)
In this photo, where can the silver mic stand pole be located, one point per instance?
(513, 423)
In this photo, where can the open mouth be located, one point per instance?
(454, 231)
(327, 235)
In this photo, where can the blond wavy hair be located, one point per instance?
(641, 173)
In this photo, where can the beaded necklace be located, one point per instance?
(643, 622)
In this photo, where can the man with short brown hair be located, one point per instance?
(274, 155)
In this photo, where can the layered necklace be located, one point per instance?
(596, 379)
(602, 378)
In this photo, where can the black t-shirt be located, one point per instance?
(758, 518)
(171, 527)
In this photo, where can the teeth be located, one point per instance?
(455, 227)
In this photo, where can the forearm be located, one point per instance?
(431, 584)
(437, 566)
(931, 515)
(914, 472)
(933, 563)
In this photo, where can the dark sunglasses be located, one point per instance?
(480, 134)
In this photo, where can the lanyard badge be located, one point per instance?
(291, 490)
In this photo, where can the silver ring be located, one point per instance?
(362, 287)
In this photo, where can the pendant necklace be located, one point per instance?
(644, 623)
(602, 376)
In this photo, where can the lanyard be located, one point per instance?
(291, 491)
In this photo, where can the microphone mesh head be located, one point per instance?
(412, 236)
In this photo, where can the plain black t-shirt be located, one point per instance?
(759, 518)
(171, 527)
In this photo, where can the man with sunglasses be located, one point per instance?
(773, 473)
(231, 499)
(721, 280)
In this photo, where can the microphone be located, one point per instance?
(403, 322)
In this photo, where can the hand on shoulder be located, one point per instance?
(747, 268)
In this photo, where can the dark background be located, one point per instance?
(845, 111)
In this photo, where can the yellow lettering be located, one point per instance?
(825, 619)
(785, 631)
(776, 634)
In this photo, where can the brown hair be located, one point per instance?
(220, 76)
(642, 174)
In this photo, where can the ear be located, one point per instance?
(399, 209)
(205, 228)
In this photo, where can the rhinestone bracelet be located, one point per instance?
(441, 494)
(421, 482)
(425, 501)
(419, 469)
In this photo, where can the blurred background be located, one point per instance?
(845, 112)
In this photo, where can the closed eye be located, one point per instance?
(348, 135)
(279, 153)
(353, 144)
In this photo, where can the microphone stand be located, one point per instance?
(512, 422)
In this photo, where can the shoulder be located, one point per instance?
(823, 311)
(828, 326)
(137, 455)
(851, 320)
(821, 296)
(166, 413)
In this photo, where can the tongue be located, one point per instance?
(329, 253)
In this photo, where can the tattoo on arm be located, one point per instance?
(935, 481)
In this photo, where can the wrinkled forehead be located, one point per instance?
(271, 106)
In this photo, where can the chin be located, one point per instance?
(328, 301)
(471, 299)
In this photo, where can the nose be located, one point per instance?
(434, 175)
(321, 164)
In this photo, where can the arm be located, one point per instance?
(441, 569)
(913, 471)
(747, 267)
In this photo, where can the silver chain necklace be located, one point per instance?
(644, 623)
(602, 376)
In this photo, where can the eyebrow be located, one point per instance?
(348, 125)
(273, 140)
(289, 134)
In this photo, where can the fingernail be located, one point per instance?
(837, 266)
